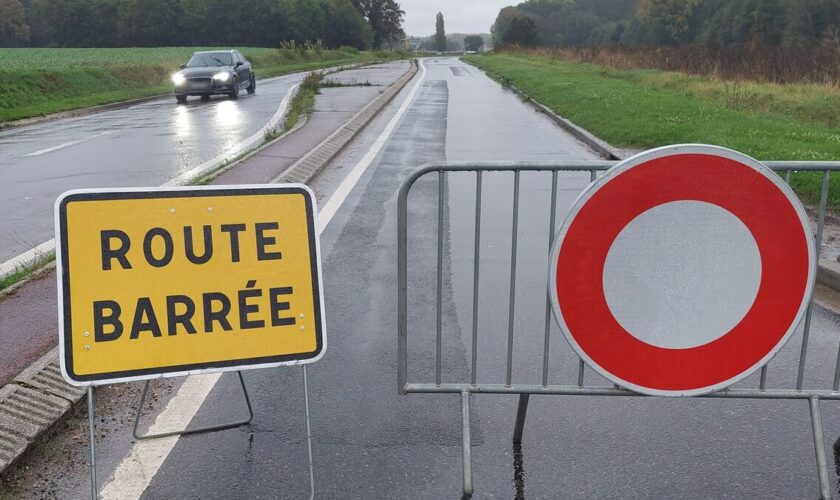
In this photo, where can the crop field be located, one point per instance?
(38, 81)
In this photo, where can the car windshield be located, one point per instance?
(213, 59)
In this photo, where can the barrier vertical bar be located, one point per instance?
(512, 301)
(92, 427)
(439, 320)
(402, 288)
(817, 244)
(762, 385)
(551, 222)
(476, 254)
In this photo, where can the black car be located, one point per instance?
(214, 72)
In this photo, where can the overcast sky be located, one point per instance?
(460, 16)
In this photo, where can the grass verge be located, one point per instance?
(36, 82)
(304, 100)
(25, 271)
(642, 108)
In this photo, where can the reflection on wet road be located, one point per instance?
(143, 145)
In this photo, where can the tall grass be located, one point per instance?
(820, 65)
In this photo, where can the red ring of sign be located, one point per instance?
(745, 192)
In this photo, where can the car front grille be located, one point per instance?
(202, 83)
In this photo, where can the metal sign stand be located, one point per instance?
(92, 426)
(208, 428)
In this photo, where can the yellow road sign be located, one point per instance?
(165, 282)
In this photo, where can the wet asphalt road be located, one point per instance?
(372, 443)
(142, 145)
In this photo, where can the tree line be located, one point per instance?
(644, 23)
(362, 24)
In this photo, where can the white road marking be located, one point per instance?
(331, 207)
(137, 470)
(68, 144)
(134, 474)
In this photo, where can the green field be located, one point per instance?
(648, 108)
(36, 82)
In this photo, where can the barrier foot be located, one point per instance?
(92, 444)
(466, 446)
(521, 413)
(216, 427)
(819, 448)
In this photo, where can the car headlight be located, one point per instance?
(178, 79)
(222, 76)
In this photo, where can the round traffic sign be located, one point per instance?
(682, 270)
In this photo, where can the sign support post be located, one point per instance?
(92, 426)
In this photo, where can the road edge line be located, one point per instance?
(308, 166)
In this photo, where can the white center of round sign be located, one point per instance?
(673, 264)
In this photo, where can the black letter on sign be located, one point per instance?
(144, 308)
(221, 315)
(276, 306)
(263, 241)
(245, 308)
(109, 253)
(168, 249)
(174, 319)
(100, 320)
(234, 230)
(208, 245)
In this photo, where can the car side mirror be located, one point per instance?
(183, 66)
(238, 64)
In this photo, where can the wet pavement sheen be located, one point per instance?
(142, 145)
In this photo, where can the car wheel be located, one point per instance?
(253, 86)
(181, 99)
(234, 89)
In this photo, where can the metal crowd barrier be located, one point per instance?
(547, 386)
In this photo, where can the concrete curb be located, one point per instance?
(31, 405)
(309, 165)
(828, 274)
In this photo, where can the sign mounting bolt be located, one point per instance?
(87, 347)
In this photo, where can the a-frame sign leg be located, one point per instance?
(216, 427)
(308, 435)
(819, 448)
(466, 445)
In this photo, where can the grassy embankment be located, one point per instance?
(36, 82)
(644, 108)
